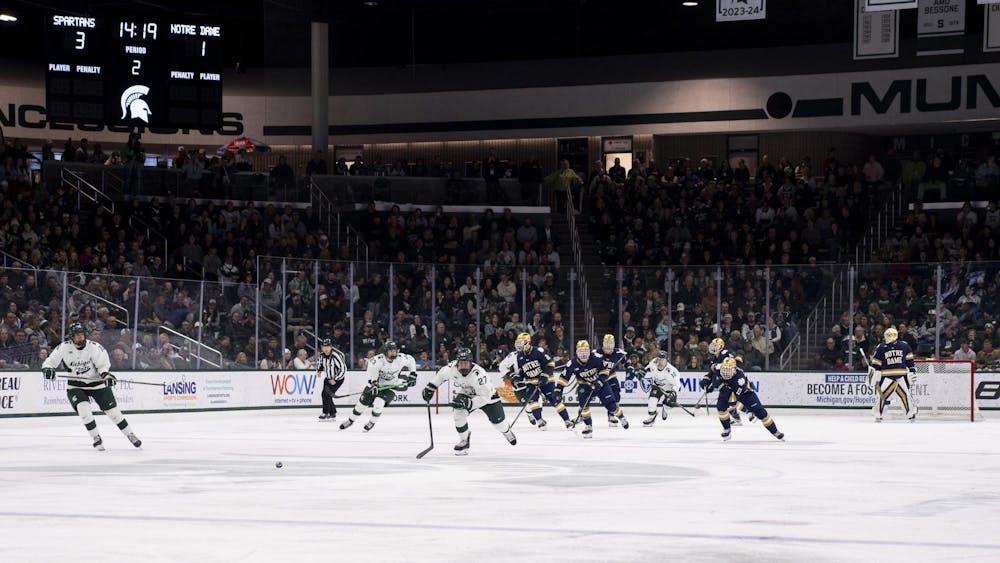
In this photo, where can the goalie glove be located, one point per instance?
(462, 402)
(109, 378)
(49, 373)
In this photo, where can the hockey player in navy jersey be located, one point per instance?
(717, 352)
(535, 370)
(892, 370)
(731, 379)
(592, 382)
(612, 356)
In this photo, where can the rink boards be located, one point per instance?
(27, 393)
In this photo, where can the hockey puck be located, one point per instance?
(277, 464)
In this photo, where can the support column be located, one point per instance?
(320, 76)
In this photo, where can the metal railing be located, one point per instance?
(793, 349)
(337, 228)
(85, 189)
(581, 278)
(191, 343)
(109, 304)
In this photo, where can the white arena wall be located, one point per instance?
(912, 97)
(26, 393)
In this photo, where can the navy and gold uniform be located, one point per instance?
(732, 380)
(592, 381)
(612, 357)
(535, 373)
(717, 352)
(892, 370)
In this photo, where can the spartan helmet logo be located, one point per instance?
(133, 106)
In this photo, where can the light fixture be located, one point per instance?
(690, 4)
(8, 18)
(371, 3)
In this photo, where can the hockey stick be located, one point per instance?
(526, 403)
(377, 389)
(430, 428)
(99, 380)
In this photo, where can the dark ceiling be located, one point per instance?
(275, 33)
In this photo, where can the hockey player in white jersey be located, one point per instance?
(388, 372)
(90, 365)
(665, 383)
(474, 392)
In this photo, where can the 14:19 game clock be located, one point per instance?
(152, 73)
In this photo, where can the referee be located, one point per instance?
(332, 367)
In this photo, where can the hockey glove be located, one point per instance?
(670, 398)
(873, 377)
(630, 373)
(49, 373)
(409, 379)
(428, 393)
(109, 378)
(462, 402)
(705, 384)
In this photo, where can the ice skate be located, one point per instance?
(737, 421)
(462, 447)
(134, 439)
(369, 426)
(649, 421)
(780, 436)
(511, 438)
(624, 421)
(346, 424)
(727, 434)
(99, 444)
(587, 433)
(542, 424)
(613, 421)
(663, 412)
(570, 425)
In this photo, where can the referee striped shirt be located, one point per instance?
(332, 366)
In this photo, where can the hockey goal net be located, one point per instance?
(945, 389)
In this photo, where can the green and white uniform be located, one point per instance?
(663, 391)
(383, 378)
(473, 391)
(90, 364)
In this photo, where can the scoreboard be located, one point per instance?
(134, 72)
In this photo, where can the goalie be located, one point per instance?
(892, 370)
(665, 384)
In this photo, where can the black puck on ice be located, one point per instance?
(277, 464)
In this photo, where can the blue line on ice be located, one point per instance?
(473, 528)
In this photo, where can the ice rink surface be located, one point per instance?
(204, 487)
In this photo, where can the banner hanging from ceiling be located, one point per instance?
(739, 10)
(941, 27)
(881, 5)
(876, 34)
(991, 27)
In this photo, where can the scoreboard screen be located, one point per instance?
(137, 71)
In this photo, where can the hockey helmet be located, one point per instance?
(728, 367)
(583, 350)
(716, 346)
(662, 358)
(75, 329)
(608, 343)
(463, 356)
(523, 342)
(391, 350)
(890, 335)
